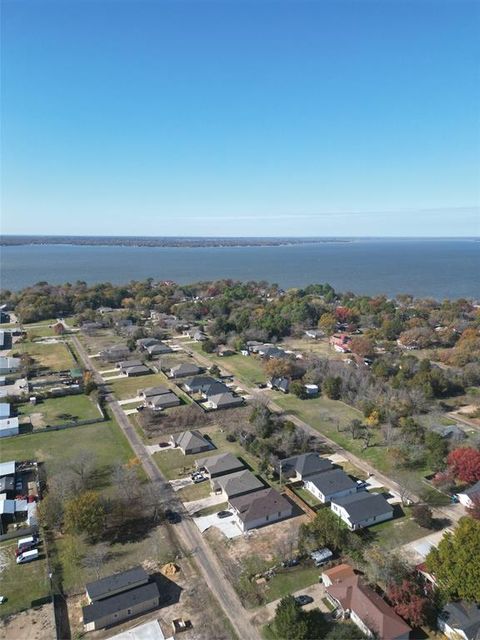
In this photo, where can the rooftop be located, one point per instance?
(101, 608)
(221, 463)
(363, 505)
(239, 482)
(330, 482)
(306, 464)
(106, 586)
(259, 504)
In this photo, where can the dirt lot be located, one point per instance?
(184, 596)
(268, 543)
(34, 624)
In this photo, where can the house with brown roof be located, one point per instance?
(355, 600)
(260, 508)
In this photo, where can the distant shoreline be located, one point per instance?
(116, 241)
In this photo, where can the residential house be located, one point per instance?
(150, 392)
(365, 608)
(300, 467)
(219, 465)
(126, 364)
(9, 427)
(190, 442)
(143, 343)
(205, 386)
(452, 432)
(340, 342)
(460, 620)
(9, 365)
(467, 496)
(330, 484)
(183, 370)
(279, 383)
(119, 597)
(158, 349)
(224, 400)
(4, 410)
(362, 509)
(236, 484)
(162, 401)
(115, 353)
(337, 574)
(138, 370)
(260, 508)
(4, 317)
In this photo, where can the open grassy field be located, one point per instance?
(101, 339)
(105, 440)
(125, 388)
(195, 492)
(55, 356)
(173, 464)
(21, 584)
(61, 410)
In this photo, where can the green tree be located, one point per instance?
(208, 346)
(298, 389)
(289, 622)
(50, 511)
(327, 323)
(332, 387)
(326, 530)
(456, 562)
(422, 514)
(85, 513)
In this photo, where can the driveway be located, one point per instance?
(196, 505)
(316, 591)
(228, 526)
(180, 483)
(155, 448)
(418, 550)
(129, 400)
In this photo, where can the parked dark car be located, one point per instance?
(224, 514)
(292, 562)
(303, 600)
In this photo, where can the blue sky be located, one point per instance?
(276, 118)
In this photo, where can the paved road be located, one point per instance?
(453, 512)
(186, 530)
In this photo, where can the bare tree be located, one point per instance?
(96, 557)
(82, 465)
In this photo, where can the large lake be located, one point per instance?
(437, 268)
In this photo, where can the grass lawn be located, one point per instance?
(173, 464)
(195, 492)
(397, 532)
(290, 581)
(248, 369)
(125, 388)
(22, 584)
(55, 357)
(39, 331)
(61, 410)
(105, 440)
(155, 545)
(307, 497)
(208, 511)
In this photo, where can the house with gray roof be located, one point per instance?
(152, 391)
(9, 365)
(125, 364)
(300, 467)
(190, 442)
(183, 370)
(118, 582)
(125, 603)
(162, 401)
(158, 349)
(236, 484)
(219, 465)
(362, 509)
(224, 400)
(115, 353)
(330, 484)
(136, 370)
(460, 620)
(279, 383)
(260, 508)
(143, 343)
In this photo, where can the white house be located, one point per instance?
(460, 620)
(9, 365)
(4, 410)
(260, 508)
(8, 427)
(362, 509)
(330, 484)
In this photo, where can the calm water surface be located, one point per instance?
(437, 268)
